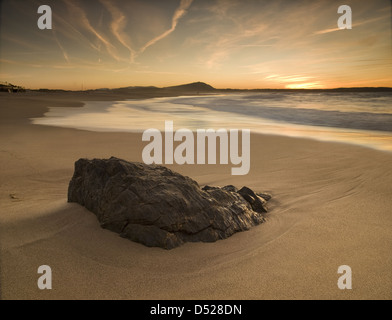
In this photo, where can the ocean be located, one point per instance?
(360, 118)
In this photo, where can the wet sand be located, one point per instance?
(332, 206)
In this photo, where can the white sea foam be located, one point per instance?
(351, 118)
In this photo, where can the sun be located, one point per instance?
(309, 85)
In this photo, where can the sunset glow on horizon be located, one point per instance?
(225, 43)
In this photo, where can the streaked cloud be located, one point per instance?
(63, 51)
(306, 85)
(295, 78)
(18, 63)
(357, 24)
(178, 14)
(327, 31)
(117, 26)
(84, 22)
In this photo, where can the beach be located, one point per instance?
(331, 206)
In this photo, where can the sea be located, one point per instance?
(360, 118)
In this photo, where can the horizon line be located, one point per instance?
(6, 83)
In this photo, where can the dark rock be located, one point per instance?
(267, 197)
(209, 188)
(157, 207)
(255, 201)
(230, 189)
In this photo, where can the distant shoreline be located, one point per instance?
(193, 88)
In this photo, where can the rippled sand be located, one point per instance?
(332, 206)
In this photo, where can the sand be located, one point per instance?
(332, 206)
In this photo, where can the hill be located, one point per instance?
(192, 87)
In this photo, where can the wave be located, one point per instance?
(362, 119)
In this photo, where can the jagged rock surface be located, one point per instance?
(157, 207)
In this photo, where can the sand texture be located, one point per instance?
(331, 206)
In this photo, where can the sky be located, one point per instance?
(243, 44)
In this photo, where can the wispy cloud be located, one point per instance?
(357, 24)
(294, 81)
(178, 14)
(66, 28)
(33, 65)
(221, 45)
(216, 59)
(289, 81)
(65, 54)
(117, 26)
(24, 43)
(84, 21)
(306, 85)
(294, 78)
(327, 31)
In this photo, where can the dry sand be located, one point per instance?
(332, 206)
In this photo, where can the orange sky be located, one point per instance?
(226, 43)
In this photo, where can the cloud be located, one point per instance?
(222, 46)
(117, 26)
(84, 21)
(216, 59)
(355, 25)
(327, 31)
(14, 62)
(21, 42)
(294, 81)
(220, 8)
(307, 85)
(67, 29)
(65, 55)
(294, 78)
(178, 14)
